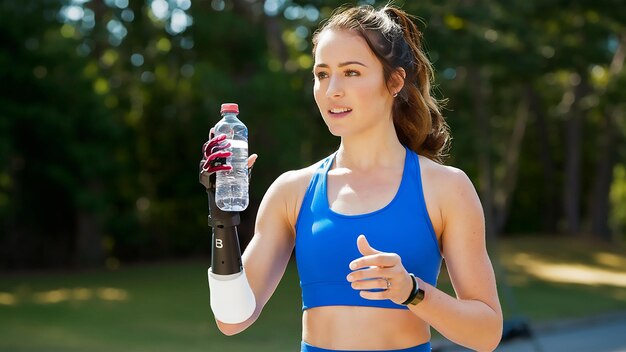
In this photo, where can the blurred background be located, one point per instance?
(105, 104)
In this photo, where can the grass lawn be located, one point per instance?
(561, 278)
(164, 306)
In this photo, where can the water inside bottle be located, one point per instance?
(232, 186)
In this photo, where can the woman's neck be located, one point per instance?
(368, 152)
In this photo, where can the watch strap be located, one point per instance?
(417, 294)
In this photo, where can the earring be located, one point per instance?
(395, 95)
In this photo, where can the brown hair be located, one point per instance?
(397, 43)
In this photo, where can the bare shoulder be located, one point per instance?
(448, 180)
(287, 191)
(447, 191)
(445, 173)
(294, 181)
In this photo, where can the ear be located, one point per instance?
(396, 81)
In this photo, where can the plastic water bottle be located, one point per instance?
(231, 193)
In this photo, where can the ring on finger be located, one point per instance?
(388, 283)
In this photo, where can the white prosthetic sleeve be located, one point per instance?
(232, 299)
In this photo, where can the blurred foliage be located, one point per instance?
(104, 106)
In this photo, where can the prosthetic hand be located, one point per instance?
(232, 299)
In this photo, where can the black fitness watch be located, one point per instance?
(417, 294)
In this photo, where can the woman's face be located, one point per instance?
(350, 89)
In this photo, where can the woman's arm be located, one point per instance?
(268, 253)
(474, 318)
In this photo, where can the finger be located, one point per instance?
(251, 160)
(374, 295)
(212, 148)
(210, 165)
(217, 139)
(374, 284)
(205, 146)
(217, 155)
(384, 260)
(219, 168)
(373, 272)
(214, 144)
(221, 146)
(364, 246)
(205, 165)
(371, 256)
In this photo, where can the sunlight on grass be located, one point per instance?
(571, 273)
(611, 260)
(7, 299)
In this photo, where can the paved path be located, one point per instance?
(596, 335)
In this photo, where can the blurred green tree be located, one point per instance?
(55, 137)
(105, 104)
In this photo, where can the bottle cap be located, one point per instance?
(230, 107)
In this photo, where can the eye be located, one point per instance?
(321, 75)
(352, 73)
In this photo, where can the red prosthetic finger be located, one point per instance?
(216, 165)
(221, 146)
(216, 140)
(214, 155)
(219, 155)
(212, 164)
(213, 169)
(204, 148)
(217, 162)
(210, 149)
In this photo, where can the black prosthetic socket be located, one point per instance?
(225, 251)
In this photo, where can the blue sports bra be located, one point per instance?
(326, 240)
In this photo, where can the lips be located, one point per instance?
(339, 111)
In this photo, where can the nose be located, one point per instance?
(335, 88)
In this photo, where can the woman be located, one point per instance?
(371, 223)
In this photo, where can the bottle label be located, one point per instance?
(235, 143)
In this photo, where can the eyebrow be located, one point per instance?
(343, 64)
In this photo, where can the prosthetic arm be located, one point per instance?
(231, 297)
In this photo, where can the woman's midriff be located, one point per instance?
(365, 328)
